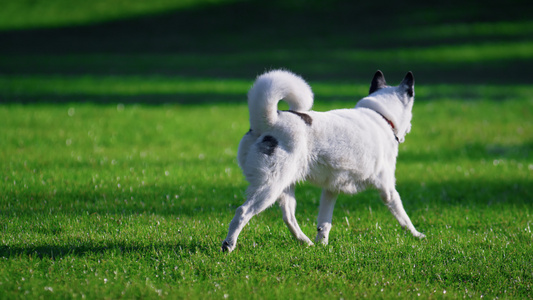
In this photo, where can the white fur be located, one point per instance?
(343, 150)
(266, 92)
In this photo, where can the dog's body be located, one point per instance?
(343, 150)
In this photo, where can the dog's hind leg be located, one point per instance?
(287, 203)
(325, 214)
(259, 199)
(392, 199)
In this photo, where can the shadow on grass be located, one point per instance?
(314, 38)
(251, 26)
(86, 249)
(221, 202)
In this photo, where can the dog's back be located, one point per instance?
(349, 147)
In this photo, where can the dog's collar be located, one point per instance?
(391, 125)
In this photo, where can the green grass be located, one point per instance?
(134, 200)
(120, 122)
(25, 14)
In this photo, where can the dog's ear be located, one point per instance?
(409, 84)
(378, 82)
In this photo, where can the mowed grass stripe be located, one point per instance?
(58, 13)
(438, 55)
(37, 85)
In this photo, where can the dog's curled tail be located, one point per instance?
(269, 89)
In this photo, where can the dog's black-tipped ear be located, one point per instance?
(378, 82)
(409, 84)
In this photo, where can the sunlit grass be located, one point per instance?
(119, 85)
(25, 14)
(464, 30)
(133, 201)
(442, 54)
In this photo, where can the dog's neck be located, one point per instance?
(381, 110)
(391, 125)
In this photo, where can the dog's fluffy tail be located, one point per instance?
(269, 89)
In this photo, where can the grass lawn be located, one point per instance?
(134, 200)
(118, 173)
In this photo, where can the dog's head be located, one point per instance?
(395, 103)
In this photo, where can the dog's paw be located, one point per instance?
(306, 241)
(320, 240)
(227, 247)
(420, 235)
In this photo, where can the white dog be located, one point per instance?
(343, 150)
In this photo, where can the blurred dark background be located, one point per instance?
(451, 41)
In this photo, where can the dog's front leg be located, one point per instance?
(394, 203)
(325, 214)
